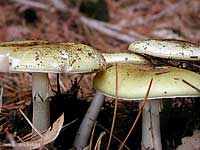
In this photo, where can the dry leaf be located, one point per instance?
(48, 136)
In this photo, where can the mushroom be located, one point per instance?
(42, 57)
(84, 131)
(168, 49)
(171, 49)
(133, 81)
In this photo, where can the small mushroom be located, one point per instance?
(133, 81)
(170, 49)
(84, 131)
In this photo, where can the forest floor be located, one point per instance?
(110, 26)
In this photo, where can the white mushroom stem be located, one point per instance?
(4, 63)
(41, 92)
(84, 131)
(151, 137)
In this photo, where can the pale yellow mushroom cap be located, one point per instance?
(55, 58)
(133, 82)
(7, 47)
(170, 49)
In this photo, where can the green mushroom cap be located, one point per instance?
(170, 49)
(133, 82)
(41, 56)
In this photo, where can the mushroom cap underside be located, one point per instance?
(55, 58)
(170, 49)
(133, 82)
(111, 58)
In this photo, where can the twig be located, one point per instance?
(20, 139)
(29, 122)
(98, 124)
(62, 85)
(118, 28)
(194, 87)
(159, 15)
(33, 4)
(1, 99)
(92, 137)
(115, 109)
(68, 124)
(97, 25)
(138, 115)
(140, 6)
(60, 5)
(98, 144)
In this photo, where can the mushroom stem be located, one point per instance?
(151, 137)
(84, 131)
(41, 91)
(4, 64)
(124, 57)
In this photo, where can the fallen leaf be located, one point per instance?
(49, 136)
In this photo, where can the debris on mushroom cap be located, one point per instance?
(55, 57)
(171, 49)
(124, 58)
(133, 81)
